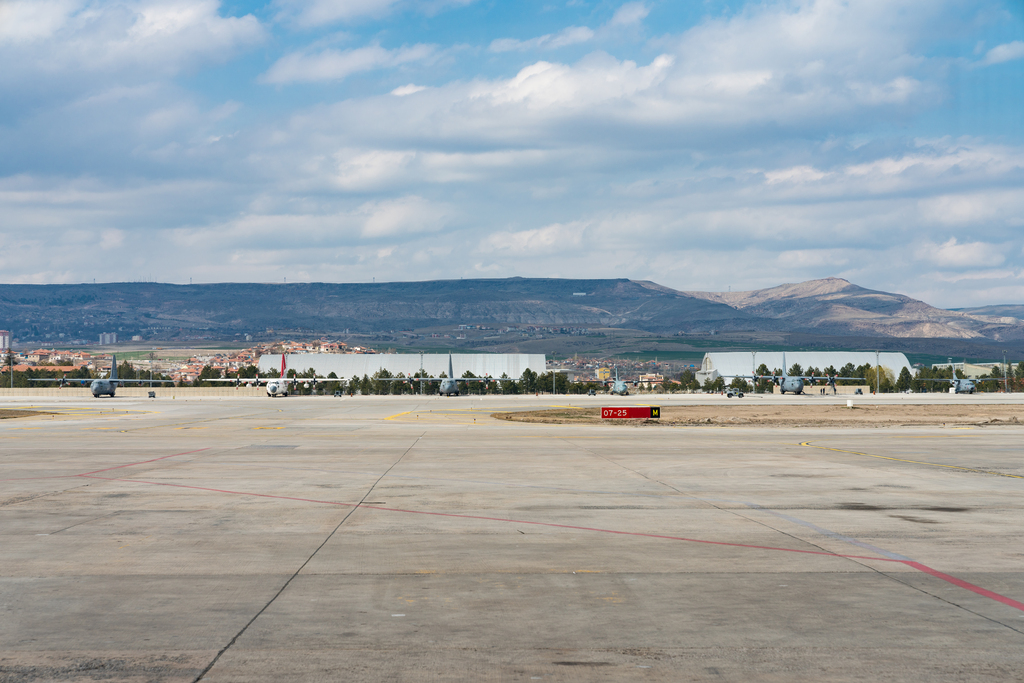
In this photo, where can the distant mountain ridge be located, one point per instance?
(830, 306)
(229, 308)
(837, 306)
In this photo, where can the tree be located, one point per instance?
(248, 372)
(904, 381)
(561, 385)
(713, 385)
(796, 370)
(763, 385)
(739, 383)
(529, 381)
(688, 380)
(208, 372)
(847, 370)
(886, 382)
(470, 387)
(126, 371)
(507, 385)
(377, 386)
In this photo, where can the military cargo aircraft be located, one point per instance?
(619, 387)
(108, 385)
(792, 384)
(964, 386)
(450, 384)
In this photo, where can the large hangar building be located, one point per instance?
(726, 364)
(347, 365)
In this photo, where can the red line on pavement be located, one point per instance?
(964, 584)
(915, 565)
(500, 519)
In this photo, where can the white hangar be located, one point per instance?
(347, 365)
(727, 364)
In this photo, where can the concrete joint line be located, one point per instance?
(309, 559)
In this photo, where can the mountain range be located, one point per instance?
(832, 306)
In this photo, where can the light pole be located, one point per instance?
(878, 380)
(1006, 384)
(753, 368)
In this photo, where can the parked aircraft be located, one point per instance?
(107, 386)
(792, 384)
(964, 386)
(450, 384)
(619, 387)
(278, 386)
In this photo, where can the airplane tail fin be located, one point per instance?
(113, 367)
(451, 372)
(282, 365)
(784, 365)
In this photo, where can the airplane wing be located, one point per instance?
(961, 379)
(442, 379)
(63, 380)
(142, 381)
(91, 380)
(242, 380)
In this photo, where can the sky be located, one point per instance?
(703, 145)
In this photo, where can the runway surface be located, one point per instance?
(411, 539)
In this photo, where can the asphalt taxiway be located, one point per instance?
(409, 539)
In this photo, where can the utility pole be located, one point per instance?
(1006, 384)
(753, 369)
(878, 379)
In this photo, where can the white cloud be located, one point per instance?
(361, 170)
(312, 13)
(335, 65)
(597, 79)
(629, 14)
(547, 240)
(111, 239)
(572, 35)
(796, 174)
(1005, 53)
(410, 89)
(992, 207)
(402, 216)
(954, 254)
(147, 38)
(24, 21)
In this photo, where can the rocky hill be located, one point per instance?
(838, 307)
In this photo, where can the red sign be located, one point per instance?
(631, 412)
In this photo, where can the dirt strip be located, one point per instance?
(6, 414)
(792, 416)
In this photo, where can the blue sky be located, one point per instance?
(702, 145)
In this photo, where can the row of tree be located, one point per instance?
(383, 382)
